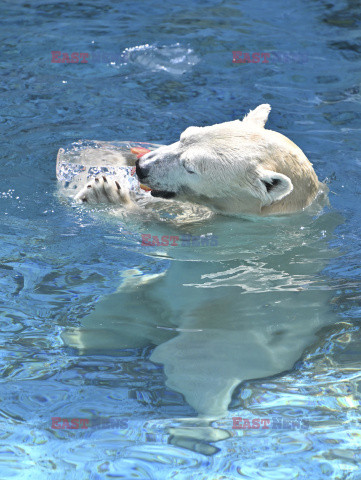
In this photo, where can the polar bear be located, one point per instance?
(245, 310)
(234, 168)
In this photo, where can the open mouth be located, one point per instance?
(162, 194)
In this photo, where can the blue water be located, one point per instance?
(154, 69)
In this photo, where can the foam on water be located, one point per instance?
(174, 59)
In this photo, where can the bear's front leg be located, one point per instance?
(105, 190)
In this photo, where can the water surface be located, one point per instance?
(170, 66)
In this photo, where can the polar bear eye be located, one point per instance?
(187, 164)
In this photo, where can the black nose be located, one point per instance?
(141, 172)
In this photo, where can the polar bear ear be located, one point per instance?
(259, 116)
(274, 186)
(189, 133)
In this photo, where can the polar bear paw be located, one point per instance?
(105, 190)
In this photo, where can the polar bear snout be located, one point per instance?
(142, 171)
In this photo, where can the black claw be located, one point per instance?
(117, 184)
(96, 180)
(105, 178)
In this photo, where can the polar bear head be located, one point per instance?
(236, 167)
